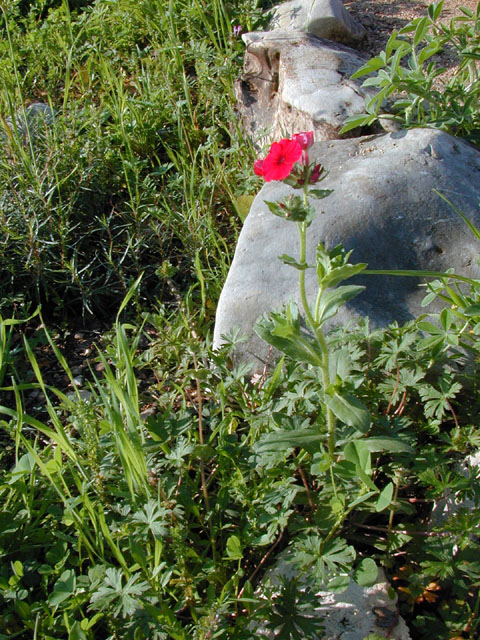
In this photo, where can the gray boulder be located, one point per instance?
(384, 208)
(323, 18)
(294, 81)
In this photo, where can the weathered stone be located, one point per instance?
(323, 18)
(384, 208)
(350, 615)
(294, 81)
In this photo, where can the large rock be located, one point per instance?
(294, 81)
(384, 208)
(323, 18)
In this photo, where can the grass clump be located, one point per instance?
(130, 175)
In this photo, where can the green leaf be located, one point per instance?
(421, 31)
(324, 561)
(385, 497)
(386, 443)
(358, 453)
(424, 325)
(369, 67)
(281, 440)
(349, 410)
(23, 467)
(331, 300)
(283, 331)
(344, 272)
(339, 584)
(18, 569)
(434, 10)
(340, 364)
(392, 44)
(321, 462)
(243, 205)
(319, 193)
(288, 614)
(352, 122)
(292, 262)
(365, 574)
(234, 548)
(337, 503)
(118, 598)
(63, 589)
(472, 310)
(76, 632)
(361, 499)
(427, 52)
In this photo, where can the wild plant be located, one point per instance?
(408, 85)
(345, 438)
(160, 507)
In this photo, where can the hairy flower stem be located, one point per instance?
(317, 330)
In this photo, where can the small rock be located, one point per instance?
(352, 614)
(83, 393)
(323, 18)
(77, 381)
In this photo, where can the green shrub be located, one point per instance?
(405, 78)
(154, 509)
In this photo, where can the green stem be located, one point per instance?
(316, 328)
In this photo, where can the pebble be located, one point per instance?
(84, 395)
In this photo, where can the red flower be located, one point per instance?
(280, 160)
(304, 139)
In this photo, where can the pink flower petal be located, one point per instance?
(304, 139)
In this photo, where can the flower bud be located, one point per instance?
(258, 167)
(316, 173)
(304, 139)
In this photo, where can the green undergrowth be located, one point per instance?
(153, 501)
(153, 506)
